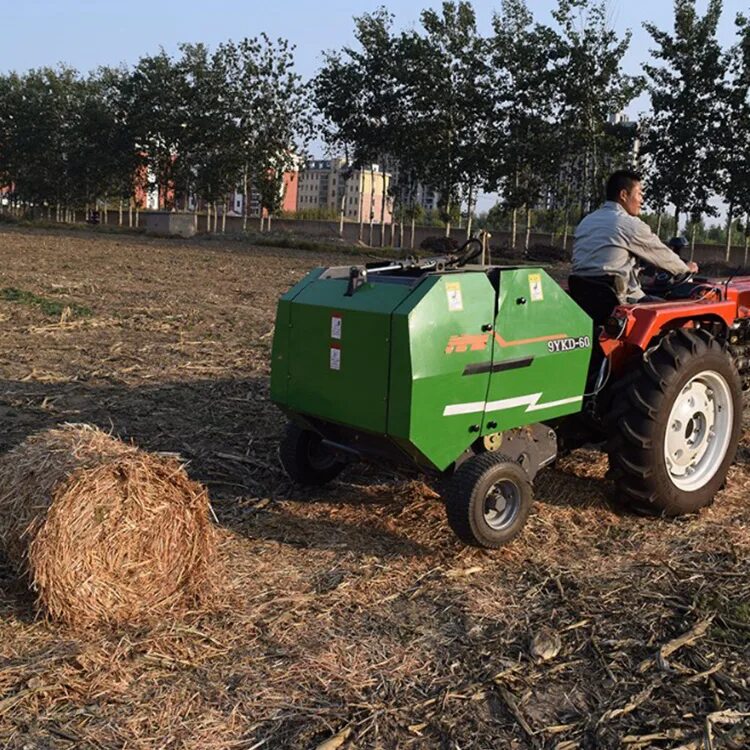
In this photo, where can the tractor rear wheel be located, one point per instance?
(306, 459)
(675, 425)
(488, 500)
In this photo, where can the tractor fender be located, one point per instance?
(643, 323)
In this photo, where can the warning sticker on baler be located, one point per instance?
(535, 287)
(335, 358)
(336, 325)
(455, 301)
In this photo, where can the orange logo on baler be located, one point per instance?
(478, 342)
(467, 342)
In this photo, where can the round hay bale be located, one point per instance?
(103, 531)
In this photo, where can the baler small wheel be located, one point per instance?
(305, 459)
(675, 425)
(488, 500)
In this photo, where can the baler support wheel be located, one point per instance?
(488, 500)
(306, 459)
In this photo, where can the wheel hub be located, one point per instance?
(502, 504)
(698, 431)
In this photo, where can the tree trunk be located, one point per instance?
(527, 241)
(413, 232)
(137, 217)
(401, 233)
(224, 215)
(372, 204)
(130, 214)
(361, 205)
(513, 227)
(244, 200)
(268, 221)
(692, 239)
(676, 220)
(730, 217)
(747, 236)
(658, 224)
(469, 210)
(383, 198)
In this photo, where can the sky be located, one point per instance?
(88, 33)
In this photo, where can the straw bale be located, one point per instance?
(103, 531)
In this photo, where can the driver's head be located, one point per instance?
(624, 187)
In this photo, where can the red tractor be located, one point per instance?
(666, 388)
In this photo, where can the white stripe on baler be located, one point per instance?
(530, 401)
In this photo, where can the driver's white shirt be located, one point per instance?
(609, 240)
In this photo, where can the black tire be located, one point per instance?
(470, 495)
(305, 459)
(648, 430)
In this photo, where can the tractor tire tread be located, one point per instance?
(643, 404)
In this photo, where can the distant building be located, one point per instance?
(289, 183)
(426, 197)
(6, 192)
(333, 184)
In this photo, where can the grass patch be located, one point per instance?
(47, 306)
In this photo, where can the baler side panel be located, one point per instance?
(280, 345)
(342, 378)
(542, 345)
(445, 339)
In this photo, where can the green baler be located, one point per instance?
(451, 368)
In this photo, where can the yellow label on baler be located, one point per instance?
(535, 287)
(455, 301)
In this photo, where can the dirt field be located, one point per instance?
(353, 617)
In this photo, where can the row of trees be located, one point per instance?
(526, 111)
(201, 125)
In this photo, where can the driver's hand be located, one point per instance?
(692, 267)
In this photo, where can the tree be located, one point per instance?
(359, 93)
(525, 148)
(271, 108)
(154, 97)
(593, 89)
(446, 87)
(734, 131)
(681, 138)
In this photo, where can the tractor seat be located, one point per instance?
(596, 295)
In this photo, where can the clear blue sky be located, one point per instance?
(89, 33)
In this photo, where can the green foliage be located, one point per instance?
(47, 306)
(197, 124)
(681, 137)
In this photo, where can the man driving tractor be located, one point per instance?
(608, 245)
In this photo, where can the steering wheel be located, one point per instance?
(670, 286)
(465, 253)
(664, 278)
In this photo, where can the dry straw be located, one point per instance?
(103, 531)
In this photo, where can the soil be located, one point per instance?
(353, 617)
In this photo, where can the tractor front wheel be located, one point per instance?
(488, 500)
(676, 424)
(306, 459)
